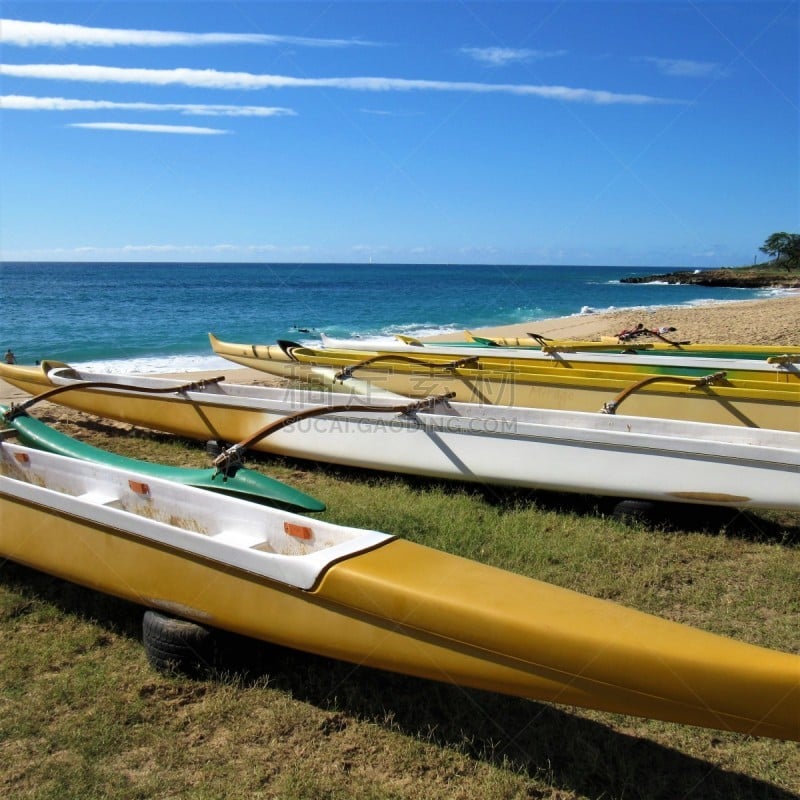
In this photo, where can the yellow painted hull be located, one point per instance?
(406, 608)
(179, 417)
(613, 343)
(752, 403)
(776, 370)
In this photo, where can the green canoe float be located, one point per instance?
(245, 483)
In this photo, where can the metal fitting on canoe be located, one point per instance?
(229, 461)
(428, 402)
(709, 380)
(15, 410)
(201, 385)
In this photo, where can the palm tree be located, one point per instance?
(784, 248)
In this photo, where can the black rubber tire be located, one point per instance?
(176, 645)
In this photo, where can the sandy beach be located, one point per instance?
(774, 321)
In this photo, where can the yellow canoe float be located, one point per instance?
(372, 599)
(632, 342)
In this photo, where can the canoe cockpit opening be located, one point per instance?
(168, 513)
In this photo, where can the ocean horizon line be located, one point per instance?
(358, 263)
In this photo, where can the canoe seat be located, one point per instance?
(238, 538)
(99, 497)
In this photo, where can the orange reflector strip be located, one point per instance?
(139, 487)
(23, 458)
(298, 531)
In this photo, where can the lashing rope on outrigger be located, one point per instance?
(347, 372)
(20, 408)
(232, 455)
(448, 366)
(696, 383)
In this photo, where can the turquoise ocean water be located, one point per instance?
(154, 317)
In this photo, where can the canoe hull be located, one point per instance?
(595, 454)
(612, 344)
(406, 608)
(772, 401)
(776, 365)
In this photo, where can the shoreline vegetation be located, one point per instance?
(86, 716)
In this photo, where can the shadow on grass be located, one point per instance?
(540, 742)
(767, 526)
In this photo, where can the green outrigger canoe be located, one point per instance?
(243, 483)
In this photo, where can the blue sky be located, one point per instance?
(620, 133)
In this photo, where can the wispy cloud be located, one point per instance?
(685, 68)
(213, 79)
(33, 34)
(502, 56)
(378, 112)
(186, 130)
(26, 103)
(180, 249)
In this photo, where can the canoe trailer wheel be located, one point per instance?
(178, 646)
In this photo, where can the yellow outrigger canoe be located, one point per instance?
(372, 599)
(618, 344)
(769, 401)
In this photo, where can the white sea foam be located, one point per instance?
(147, 365)
(589, 310)
(426, 329)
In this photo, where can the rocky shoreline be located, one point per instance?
(737, 278)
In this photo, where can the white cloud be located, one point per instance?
(26, 103)
(501, 56)
(32, 34)
(213, 79)
(174, 249)
(378, 112)
(685, 68)
(190, 130)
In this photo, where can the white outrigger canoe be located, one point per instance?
(777, 363)
(734, 392)
(372, 599)
(614, 455)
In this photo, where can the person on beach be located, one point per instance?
(10, 357)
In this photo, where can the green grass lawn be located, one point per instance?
(83, 715)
